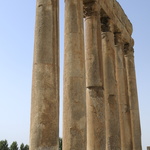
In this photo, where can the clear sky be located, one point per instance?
(16, 59)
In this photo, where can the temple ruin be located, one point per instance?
(101, 109)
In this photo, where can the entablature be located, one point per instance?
(118, 17)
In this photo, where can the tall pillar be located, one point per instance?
(124, 109)
(74, 115)
(94, 80)
(133, 97)
(110, 87)
(44, 129)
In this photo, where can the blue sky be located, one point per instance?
(16, 59)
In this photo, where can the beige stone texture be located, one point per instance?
(148, 148)
(115, 12)
(124, 109)
(118, 17)
(113, 141)
(101, 109)
(74, 114)
(44, 129)
(133, 97)
(95, 119)
(94, 80)
(92, 44)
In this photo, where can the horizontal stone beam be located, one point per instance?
(118, 17)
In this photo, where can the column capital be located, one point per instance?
(90, 9)
(106, 24)
(118, 38)
(128, 49)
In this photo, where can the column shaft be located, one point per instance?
(110, 88)
(94, 85)
(133, 98)
(124, 109)
(44, 129)
(74, 119)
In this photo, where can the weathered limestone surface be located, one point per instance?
(101, 109)
(44, 129)
(118, 17)
(94, 79)
(124, 109)
(110, 86)
(113, 9)
(74, 115)
(133, 98)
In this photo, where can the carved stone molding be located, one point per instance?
(117, 38)
(89, 9)
(105, 24)
(128, 49)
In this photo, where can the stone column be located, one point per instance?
(124, 109)
(94, 85)
(74, 115)
(110, 87)
(133, 98)
(44, 129)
